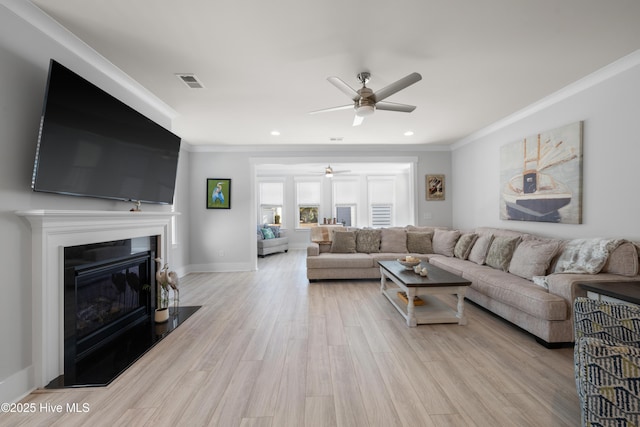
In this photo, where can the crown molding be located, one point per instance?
(605, 73)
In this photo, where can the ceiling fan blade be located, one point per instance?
(392, 106)
(397, 86)
(326, 110)
(357, 120)
(345, 88)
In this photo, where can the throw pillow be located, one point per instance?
(478, 253)
(268, 234)
(623, 260)
(532, 258)
(444, 241)
(344, 242)
(393, 240)
(276, 230)
(464, 245)
(585, 255)
(501, 251)
(419, 242)
(368, 241)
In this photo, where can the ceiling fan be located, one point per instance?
(366, 101)
(329, 172)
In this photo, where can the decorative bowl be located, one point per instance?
(408, 264)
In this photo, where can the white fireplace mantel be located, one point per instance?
(52, 231)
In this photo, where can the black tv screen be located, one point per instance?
(91, 144)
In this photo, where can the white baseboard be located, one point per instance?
(17, 386)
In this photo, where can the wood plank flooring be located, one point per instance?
(269, 349)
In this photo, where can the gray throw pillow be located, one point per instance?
(344, 242)
(478, 253)
(464, 245)
(532, 258)
(419, 242)
(501, 251)
(368, 241)
(394, 240)
(444, 241)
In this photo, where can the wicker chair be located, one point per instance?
(607, 362)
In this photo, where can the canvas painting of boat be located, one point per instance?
(541, 177)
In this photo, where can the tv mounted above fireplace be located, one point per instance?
(92, 144)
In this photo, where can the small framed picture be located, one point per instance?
(435, 187)
(218, 193)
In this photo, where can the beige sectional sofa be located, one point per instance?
(528, 280)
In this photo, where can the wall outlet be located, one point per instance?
(427, 215)
(220, 253)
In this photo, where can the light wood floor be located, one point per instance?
(269, 349)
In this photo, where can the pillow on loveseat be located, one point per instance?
(368, 240)
(501, 251)
(344, 242)
(419, 242)
(444, 241)
(532, 257)
(267, 233)
(393, 240)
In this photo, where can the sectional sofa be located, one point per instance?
(528, 280)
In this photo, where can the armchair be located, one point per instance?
(607, 362)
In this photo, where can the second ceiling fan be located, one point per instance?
(366, 101)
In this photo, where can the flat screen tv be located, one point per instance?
(91, 144)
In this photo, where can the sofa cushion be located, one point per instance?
(393, 240)
(420, 242)
(444, 241)
(338, 261)
(478, 253)
(623, 260)
(532, 257)
(464, 245)
(518, 292)
(501, 251)
(344, 242)
(368, 240)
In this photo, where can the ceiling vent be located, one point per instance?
(190, 80)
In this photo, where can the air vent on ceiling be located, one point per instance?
(190, 80)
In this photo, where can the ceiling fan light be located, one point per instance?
(364, 110)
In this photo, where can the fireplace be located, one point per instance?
(108, 290)
(53, 230)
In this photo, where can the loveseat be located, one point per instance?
(275, 240)
(528, 280)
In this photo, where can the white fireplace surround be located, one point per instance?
(52, 231)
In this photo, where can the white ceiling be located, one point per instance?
(265, 63)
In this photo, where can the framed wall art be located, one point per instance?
(434, 185)
(541, 177)
(218, 193)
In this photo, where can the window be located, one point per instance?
(346, 215)
(381, 215)
(271, 197)
(382, 196)
(308, 197)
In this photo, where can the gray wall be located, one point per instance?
(609, 104)
(25, 52)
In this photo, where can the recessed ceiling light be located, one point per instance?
(408, 133)
(275, 133)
